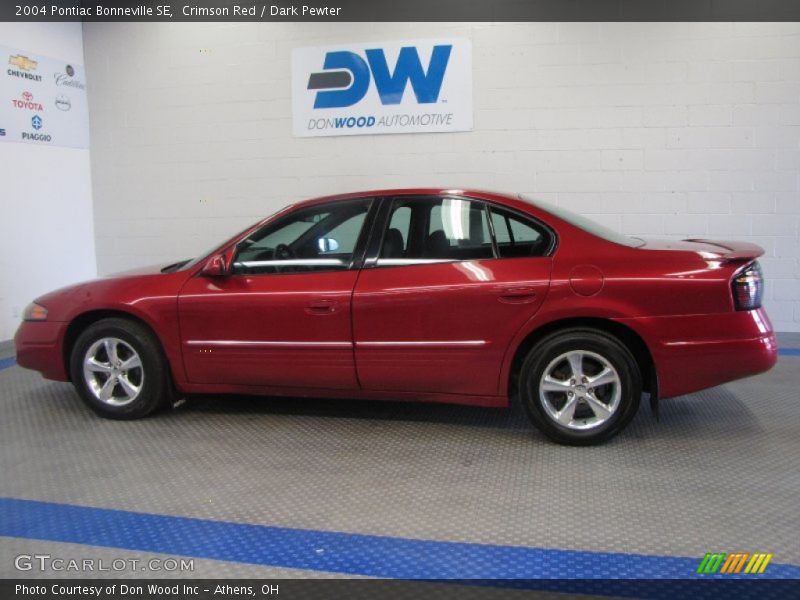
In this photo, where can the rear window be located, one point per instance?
(587, 225)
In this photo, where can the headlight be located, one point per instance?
(34, 312)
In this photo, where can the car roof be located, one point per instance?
(500, 197)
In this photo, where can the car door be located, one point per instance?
(281, 318)
(438, 303)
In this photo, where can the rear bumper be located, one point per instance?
(696, 352)
(38, 345)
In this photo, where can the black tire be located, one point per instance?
(540, 405)
(154, 382)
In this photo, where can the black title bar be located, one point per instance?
(402, 10)
(356, 589)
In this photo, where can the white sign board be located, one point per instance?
(417, 86)
(42, 100)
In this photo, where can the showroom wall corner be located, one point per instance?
(47, 229)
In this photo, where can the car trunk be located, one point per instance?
(718, 250)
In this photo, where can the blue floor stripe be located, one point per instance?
(330, 551)
(7, 362)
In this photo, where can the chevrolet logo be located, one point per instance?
(23, 62)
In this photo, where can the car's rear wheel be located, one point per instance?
(118, 369)
(580, 386)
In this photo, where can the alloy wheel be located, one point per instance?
(580, 390)
(113, 371)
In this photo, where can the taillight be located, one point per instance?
(748, 287)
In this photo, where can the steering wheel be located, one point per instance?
(283, 252)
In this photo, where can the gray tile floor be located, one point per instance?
(719, 472)
(6, 349)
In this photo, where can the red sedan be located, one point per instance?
(440, 295)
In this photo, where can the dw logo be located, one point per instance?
(346, 76)
(403, 86)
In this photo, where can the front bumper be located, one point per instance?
(39, 347)
(695, 352)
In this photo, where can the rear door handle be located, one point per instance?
(322, 307)
(517, 295)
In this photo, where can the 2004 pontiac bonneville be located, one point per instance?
(422, 294)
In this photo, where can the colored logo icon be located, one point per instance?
(22, 62)
(27, 102)
(346, 77)
(731, 564)
(36, 122)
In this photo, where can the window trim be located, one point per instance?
(356, 261)
(378, 233)
(488, 212)
(383, 216)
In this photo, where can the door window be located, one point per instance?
(517, 236)
(318, 238)
(425, 230)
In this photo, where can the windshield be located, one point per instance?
(192, 262)
(189, 264)
(587, 225)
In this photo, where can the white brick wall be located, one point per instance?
(661, 129)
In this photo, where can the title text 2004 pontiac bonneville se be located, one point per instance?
(424, 294)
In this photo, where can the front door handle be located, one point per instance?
(322, 307)
(517, 295)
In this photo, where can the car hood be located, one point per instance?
(119, 291)
(723, 250)
(147, 270)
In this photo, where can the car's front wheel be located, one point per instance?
(580, 386)
(118, 369)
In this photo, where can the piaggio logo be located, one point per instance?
(731, 564)
(346, 76)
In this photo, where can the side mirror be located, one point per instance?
(327, 244)
(215, 267)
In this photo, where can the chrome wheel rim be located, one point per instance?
(580, 390)
(113, 371)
